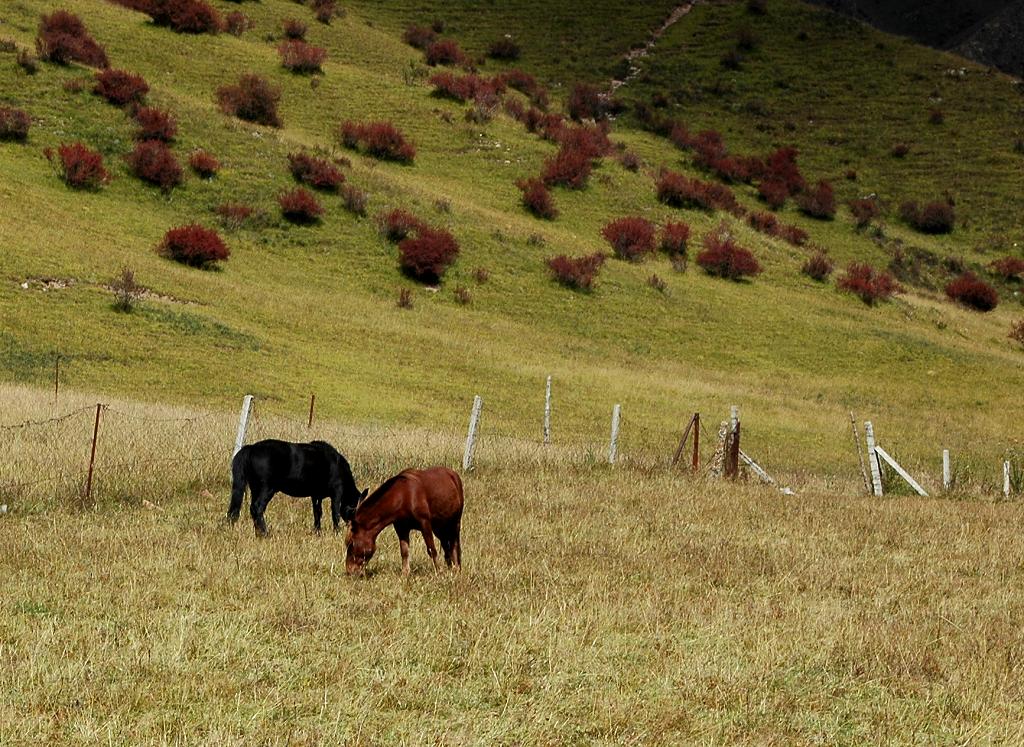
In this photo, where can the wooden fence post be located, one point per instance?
(876, 473)
(682, 441)
(92, 454)
(1006, 479)
(613, 446)
(243, 424)
(56, 379)
(860, 455)
(547, 413)
(696, 441)
(947, 478)
(474, 422)
(732, 452)
(312, 402)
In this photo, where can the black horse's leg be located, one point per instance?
(336, 511)
(318, 512)
(257, 507)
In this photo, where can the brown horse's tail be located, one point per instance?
(238, 483)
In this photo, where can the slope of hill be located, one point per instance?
(301, 309)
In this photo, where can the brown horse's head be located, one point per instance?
(359, 548)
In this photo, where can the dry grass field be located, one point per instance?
(598, 605)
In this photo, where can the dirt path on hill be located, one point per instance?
(638, 53)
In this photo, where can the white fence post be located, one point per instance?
(1006, 479)
(243, 424)
(876, 474)
(547, 413)
(947, 478)
(900, 471)
(613, 447)
(474, 421)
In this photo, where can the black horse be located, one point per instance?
(315, 470)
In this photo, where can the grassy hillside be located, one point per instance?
(303, 309)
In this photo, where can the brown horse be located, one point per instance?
(428, 500)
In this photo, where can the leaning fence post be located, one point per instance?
(92, 454)
(613, 446)
(474, 421)
(243, 424)
(947, 479)
(56, 379)
(547, 413)
(876, 474)
(312, 403)
(696, 441)
(1006, 479)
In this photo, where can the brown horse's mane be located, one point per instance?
(384, 488)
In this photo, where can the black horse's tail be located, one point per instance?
(237, 484)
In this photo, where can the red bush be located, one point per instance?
(193, 245)
(773, 192)
(428, 255)
(865, 210)
(763, 222)
(80, 167)
(792, 234)
(300, 57)
(233, 215)
(153, 162)
(678, 190)
(300, 206)
(63, 39)
(933, 218)
(674, 239)
(576, 272)
(445, 52)
(781, 167)
(1008, 268)
(526, 84)
(318, 173)
(155, 124)
(587, 101)
(724, 258)
(14, 124)
(504, 48)
(537, 199)
(294, 28)
(469, 87)
(871, 285)
(592, 141)
(237, 23)
(396, 224)
(420, 37)
(971, 291)
(379, 139)
(121, 87)
(185, 16)
(819, 202)
(325, 10)
(631, 237)
(204, 164)
(569, 167)
(252, 99)
(818, 267)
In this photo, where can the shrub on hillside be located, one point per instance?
(27, 62)
(630, 161)
(537, 198)
(870, 284)
(1008, 268)
(204, 164)
(592, 141)
(300, 57)
(769, 224)
(234, 215)
(527, 85)
(445, 52)
(933, 217)
(153, 162)
(971, 291)
(127, 291)
(397, 224)
(63, 39)
(504, 48)
(678, 190)
(252, 99)
(318, 173)
(354, 199)
(819, 202)
(1017, 331)
(155, 124)
(184, 16)
(587, 101)
(237, 23)
(470, 87)
(936, 116)
(576, 272)
(773, 192)
(864, 211)
(294, 28)
(420, 37)
(194, 245)
(781, 168)
(325, 10)
(723, 257)
(818, 267)
(79, 167)
(300, 206)
(379, 139)
(120, 87)
(570, 167)
(631, 237)
(899, 150)
(427, 255)
(14, 124)
(675, 237)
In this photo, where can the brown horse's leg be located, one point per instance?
(457, 545)
(428, 540)
(403, 546)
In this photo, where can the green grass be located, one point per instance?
(301, 310)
